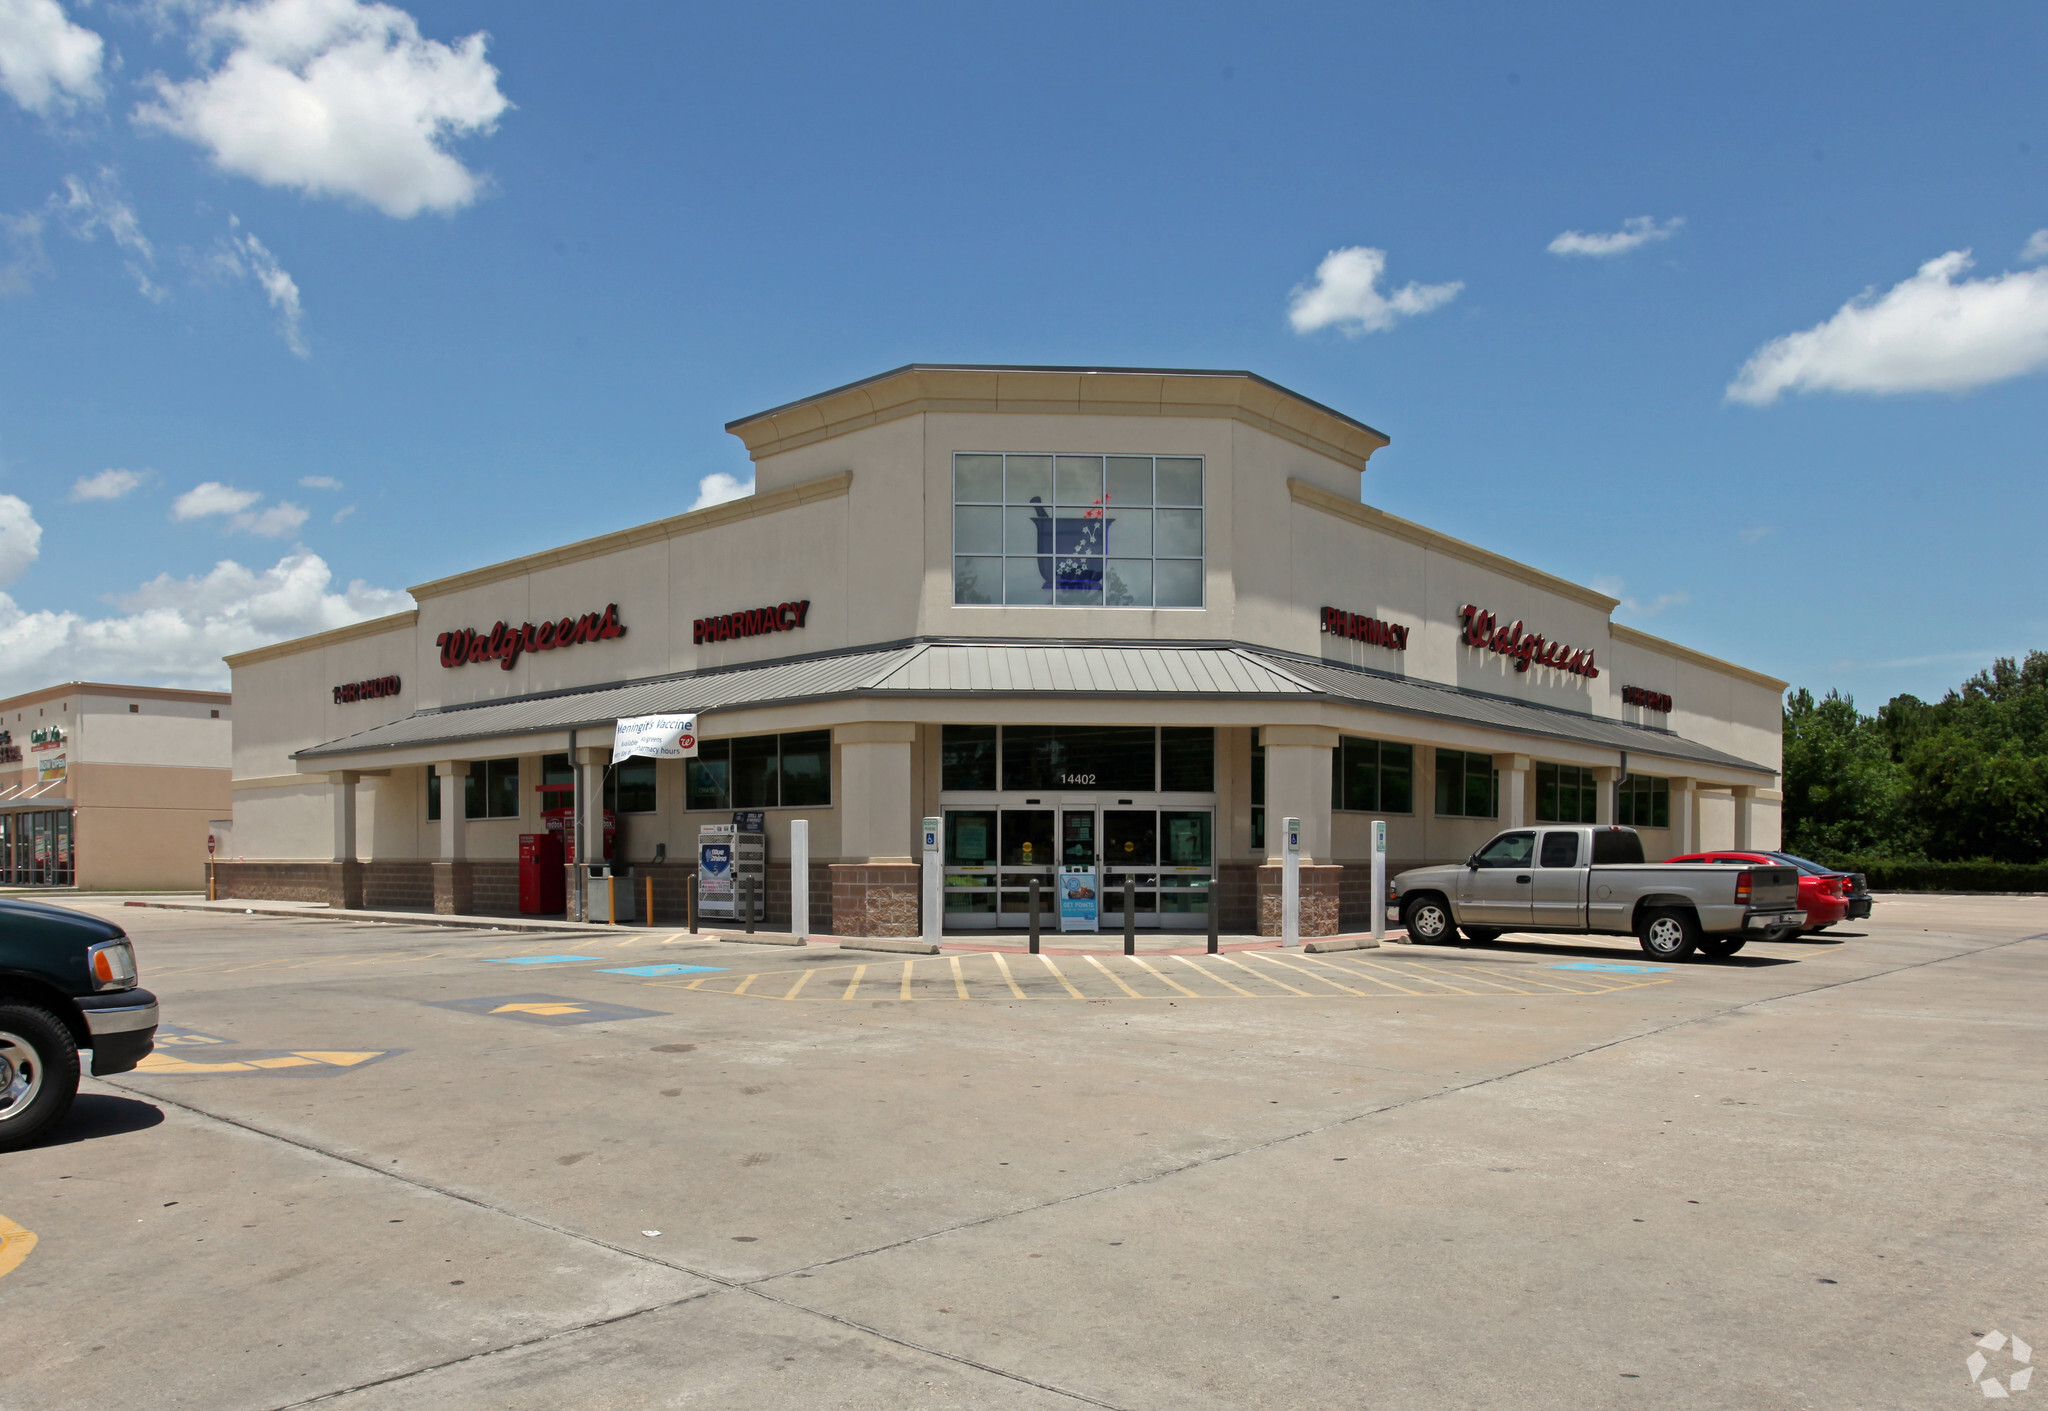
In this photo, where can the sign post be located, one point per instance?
(1290, 883)
(1379, 879)
(800, 878)
(933, 922)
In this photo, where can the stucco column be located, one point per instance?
(1298, 761)
(1515, 803)
(454, 891)
(590, 763)
(341, 788)
(1685, 829)
(1745, 795)
(1606, 776)
(875, 882)
(449, 780)
(345, 873)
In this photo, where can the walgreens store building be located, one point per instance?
(1108, 617)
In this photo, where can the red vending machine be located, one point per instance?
(541, 880)
(559, 821)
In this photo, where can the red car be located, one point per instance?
(1823, 896)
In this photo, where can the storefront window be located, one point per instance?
(1643, 802)
(1079, 757)
(629, 786)
(1372, 776)
(1258, 791)
(761, 771)
(1565, 793)
(1467, 785)
(433, 794)
(1187, 759)
(967, 757)
(491, 790)
(35, 848)
(1078, 531)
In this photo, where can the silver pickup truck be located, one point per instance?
(1593, 880)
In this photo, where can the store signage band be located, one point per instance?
(1357, 627)
(1483, 629)
(503, 644)
(374, 689)
(1646, 698)
(754, 622)
(50, 739)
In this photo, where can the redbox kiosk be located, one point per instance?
(561, 820)
(542, 884)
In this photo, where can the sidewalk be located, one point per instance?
(1007, 942)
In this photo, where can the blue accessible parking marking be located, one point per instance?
(665, 970)
(1619, 969)
(537, 959)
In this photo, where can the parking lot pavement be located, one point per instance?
(397, 1166)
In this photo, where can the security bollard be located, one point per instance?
(747, 901)
(690, 902)
(1211, 896)
(1130, 920)
(1034, 916)
(647, 916)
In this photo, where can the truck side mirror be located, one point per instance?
(1473, 862)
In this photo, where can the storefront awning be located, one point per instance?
(1018, 670)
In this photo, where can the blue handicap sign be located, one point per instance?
(664, 970)
(537, 959)
(1619, 969)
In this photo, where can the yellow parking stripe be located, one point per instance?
(904, 992)
(15, 1244)
(1008, 979)
(801, 981)
(1060, 976)
(1233, 960)
(746, 982)
(959, 985)
(1218, 979)
(1113, 977)
(1163, 979)
(853, 985)
(1320, 979)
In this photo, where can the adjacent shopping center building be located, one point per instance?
(1127, 618)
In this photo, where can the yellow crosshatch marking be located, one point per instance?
(15, 1243)
(540, 1009)
(305, 1058)
(991, 975)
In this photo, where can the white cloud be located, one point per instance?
(107, 485)
(1929, 333)
(718, 487)
(25, 256)
(1756, 533)
(1615, 588)
(1345, 294)
(240, 254)
(276, 522)
(319, 482)
(341, 514)
(212, 497)
(89, 207)
(21, 538)
(174, 631)
(336, 98)
(1635, 232)
(2036, 248)
(47, 63)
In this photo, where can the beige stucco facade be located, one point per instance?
(111, 788)
(853, 513)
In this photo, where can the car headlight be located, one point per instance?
(112, 965)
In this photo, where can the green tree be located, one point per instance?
(1977, 763)
(1844, 792)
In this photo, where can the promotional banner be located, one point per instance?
(1078, 899)
(655, 737)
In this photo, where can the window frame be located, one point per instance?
(721, 751)
(1584, 786)
(1339, 775)
(1464, 793)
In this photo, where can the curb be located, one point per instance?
(409, 918)
(1347, 943)
(763, 938)
(888, 944)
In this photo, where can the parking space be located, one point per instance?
(396, 1165)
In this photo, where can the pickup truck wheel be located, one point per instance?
(1428, 922)
(1670, 935)
(1720, 947)
(38, 1073)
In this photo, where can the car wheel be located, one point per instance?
(1480, 935)
(38, 1073)
(1428, 921)
(1720, 947)
(1669, 935)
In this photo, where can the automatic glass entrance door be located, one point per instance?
(992, 855)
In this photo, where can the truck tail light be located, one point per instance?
(1742, 887)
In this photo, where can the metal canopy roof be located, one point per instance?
(1069, 669)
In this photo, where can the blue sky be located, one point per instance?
(356, 298)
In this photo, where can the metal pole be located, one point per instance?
(1130, 918)
(1290, 882)
(611, 898)
(1212, 915)
(1379, 879)
(1034, 916)
(648, 918)
(800, 878)
(747, 901)
(690, 902)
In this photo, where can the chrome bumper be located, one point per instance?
(125, 1020)
(1773, 920)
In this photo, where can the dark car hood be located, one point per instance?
(16, 913)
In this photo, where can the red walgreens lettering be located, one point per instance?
(1357, 627)
(366, 690)
(1646, 698)
(504, 643)
(1483, 629)
(753, 622)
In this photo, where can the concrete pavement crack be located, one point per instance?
(752, 1286)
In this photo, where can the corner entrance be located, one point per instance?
(993, 854)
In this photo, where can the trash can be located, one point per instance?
(610, 892)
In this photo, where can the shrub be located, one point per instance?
(1891, 874)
